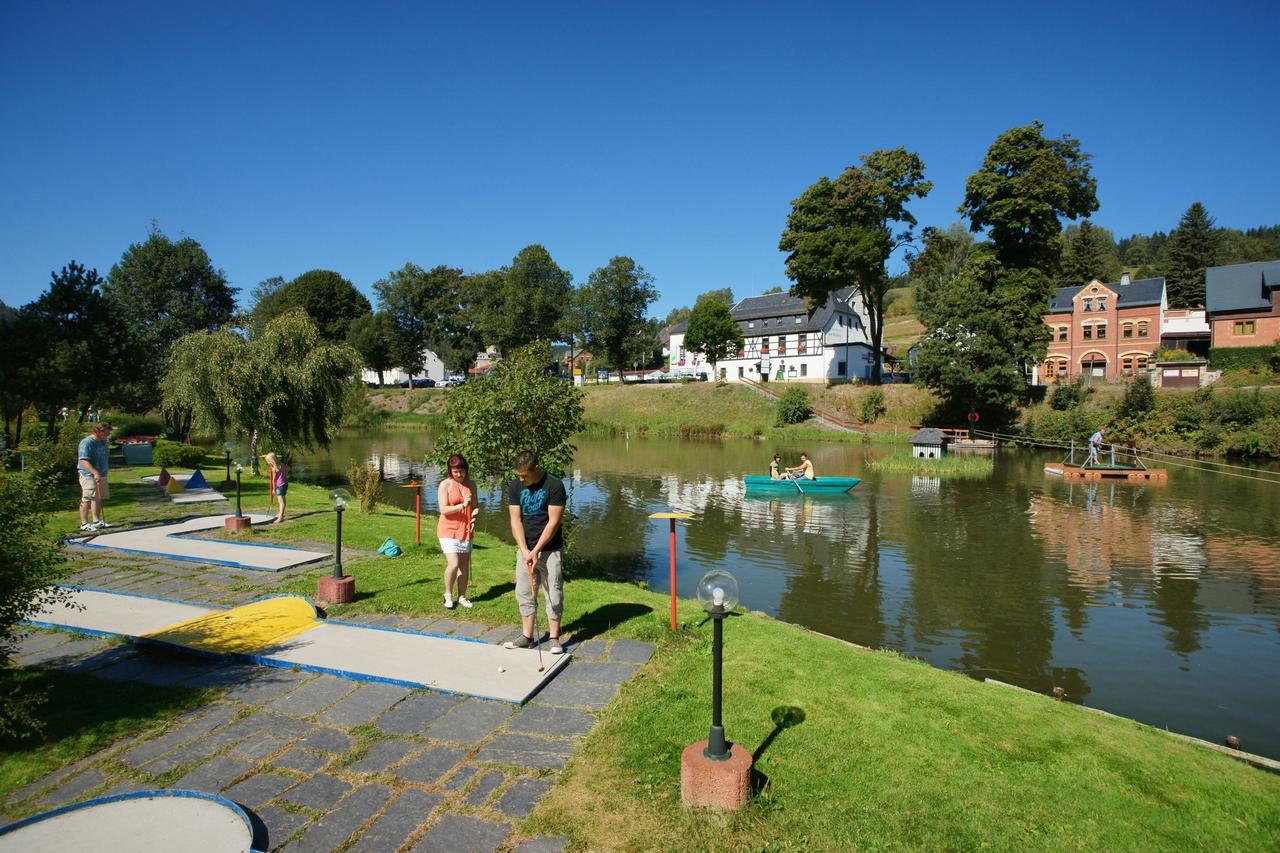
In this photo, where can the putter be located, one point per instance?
(536, 633)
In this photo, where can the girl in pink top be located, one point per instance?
(458, 511)
(278, 477)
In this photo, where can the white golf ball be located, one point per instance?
(502, 669)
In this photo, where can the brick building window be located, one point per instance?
(1063, 332)
(1088, 333)
(1102, 331)
(1142, 328)
(1126, 330)
(1243, 327)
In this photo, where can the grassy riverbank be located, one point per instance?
(891, 752)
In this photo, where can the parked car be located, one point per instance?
(655, 376)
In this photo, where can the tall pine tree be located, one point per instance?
(1089, 252)
(1192, 246)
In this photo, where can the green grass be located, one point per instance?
(958, 467)
(80, 716)
(892, 753)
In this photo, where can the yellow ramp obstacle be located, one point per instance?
(249, 629)
(173, 487)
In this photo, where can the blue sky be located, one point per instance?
(356, 137)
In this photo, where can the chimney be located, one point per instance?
(1124, 279)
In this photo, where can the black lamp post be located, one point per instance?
(718, 595)
(228, 447)
(239, 468)
(339, 497)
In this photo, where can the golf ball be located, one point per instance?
(502, 669)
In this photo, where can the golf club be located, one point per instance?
(533, 582)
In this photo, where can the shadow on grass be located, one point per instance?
(493, 592)
(596, 622)
(784, 717)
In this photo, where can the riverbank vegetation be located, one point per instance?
(954, 467)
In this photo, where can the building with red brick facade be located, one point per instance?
(1243, 302)
(1103, 332)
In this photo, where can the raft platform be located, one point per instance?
(1110, 473)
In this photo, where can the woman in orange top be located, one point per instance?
(457, 500)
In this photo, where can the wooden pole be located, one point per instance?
(673, 574)
(417, 512)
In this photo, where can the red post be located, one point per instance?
(673, 574)
(417, 512)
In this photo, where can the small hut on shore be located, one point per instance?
(929, 443)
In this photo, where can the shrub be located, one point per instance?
(366, 485)
(873, 407)
(138, 426)
(31, 561)
(1139, 399)
(1062, 426)
(1069, 396)
(793, 407)
(1164, 354)
(175, 454)
(1242, 358)
(53, 458)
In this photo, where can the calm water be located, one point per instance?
(1160, 603)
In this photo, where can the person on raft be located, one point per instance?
(803, 471)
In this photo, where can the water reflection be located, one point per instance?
(1161, 603)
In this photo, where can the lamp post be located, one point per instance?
(239, 521)
(337, 588)
(713, 772)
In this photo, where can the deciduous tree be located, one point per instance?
(712, 331)
(613, 304)
(374, 336)
(332, 302)
(841, 233)
(159, 291)
(527, 302)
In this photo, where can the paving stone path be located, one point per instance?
(324, 762)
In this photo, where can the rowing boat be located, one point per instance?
(819, 486)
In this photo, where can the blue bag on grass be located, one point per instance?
(389, 548)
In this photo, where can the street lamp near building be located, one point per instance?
(713, 772)
(337, 588)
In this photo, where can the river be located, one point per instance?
(1156, 602)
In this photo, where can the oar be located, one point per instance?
(797, 485)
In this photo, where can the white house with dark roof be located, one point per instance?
(783, 342)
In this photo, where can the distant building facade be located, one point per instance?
(1104, 332)
(783, 342)
(1243, 302)
(433, 369)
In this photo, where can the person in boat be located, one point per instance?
(775, 467)
(1095, 444)
(803, 471)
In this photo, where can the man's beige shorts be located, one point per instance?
(547, 576)
(91, 490)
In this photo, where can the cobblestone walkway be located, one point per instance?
(326, 762)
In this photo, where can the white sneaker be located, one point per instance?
(462, 599)
(88, 527)
(104, 524)
(448, 602)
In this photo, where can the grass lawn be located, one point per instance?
(957, 467)
(80, 716)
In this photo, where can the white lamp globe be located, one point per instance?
(340, 498)
(718, 592)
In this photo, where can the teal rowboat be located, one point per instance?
(819, 486)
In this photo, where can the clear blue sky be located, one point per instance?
(356, 137)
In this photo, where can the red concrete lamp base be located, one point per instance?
(705, 783)
(331, 590)
(236, 523)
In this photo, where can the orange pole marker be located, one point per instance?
(672, 516)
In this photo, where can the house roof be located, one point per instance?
(1241, 287)
(771, 305)
(928, 435)
(1144, 291)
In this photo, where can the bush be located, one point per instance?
(1139, 399)
(873, 407)
(138, 426)
(31, 561)
(1069, 396)
(793, 407)
(53, 458)
(1064, 427)
(174, 454)
(1243, 358)
(366, 485)
(1164, 354)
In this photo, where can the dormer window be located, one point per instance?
(751, 324)
(1088, 305)
(765, 322)
(799, 319)
(1102, 304)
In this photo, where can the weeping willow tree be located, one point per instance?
(284, 385)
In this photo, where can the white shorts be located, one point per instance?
(455, 546)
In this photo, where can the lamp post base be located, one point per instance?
(236, 523)
(331, 590)
(707, 783)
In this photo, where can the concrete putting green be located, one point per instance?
(167, 540)
(159, 821)
(286, 631)
(186, 488)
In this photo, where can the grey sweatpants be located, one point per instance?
(549, 578)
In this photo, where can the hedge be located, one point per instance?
(173, 454)
(1243, 358)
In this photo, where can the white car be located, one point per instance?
(655, 376)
